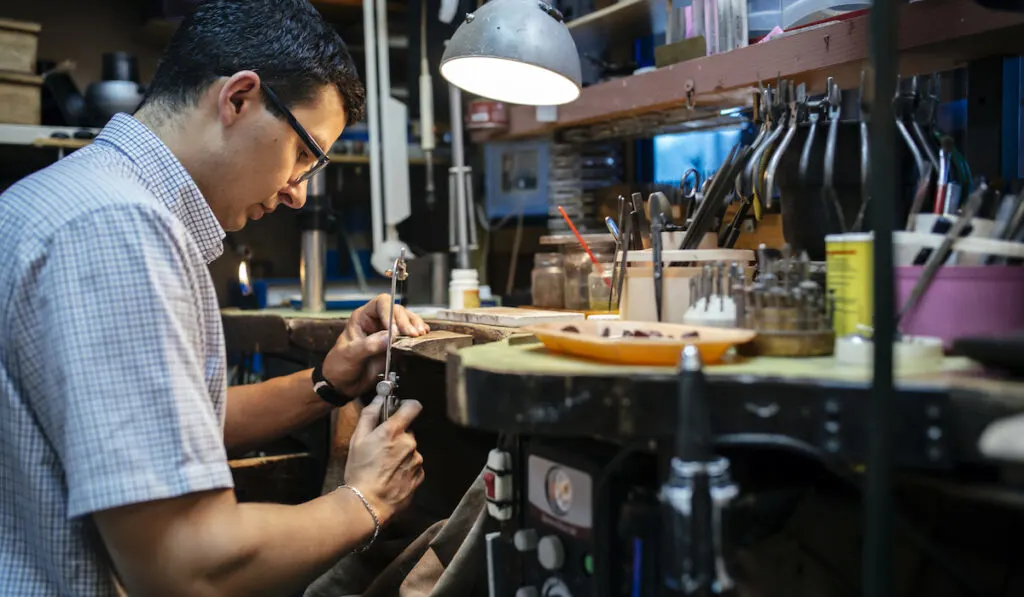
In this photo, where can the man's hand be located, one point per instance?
(357, 358)
(382, 461)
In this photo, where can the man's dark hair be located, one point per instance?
(287, 42)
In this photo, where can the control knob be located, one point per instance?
(554, 587)
(550, 552)
(525, 540)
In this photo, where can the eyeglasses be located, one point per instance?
(314, 147)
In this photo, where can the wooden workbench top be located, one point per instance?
(524, 357)
(518, 386)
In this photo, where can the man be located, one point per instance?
(114, 413)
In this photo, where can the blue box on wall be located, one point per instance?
(516, 178)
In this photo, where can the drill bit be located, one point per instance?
(707, 287)
(388, 383)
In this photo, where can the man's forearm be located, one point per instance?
(258, 413)
(210, 545)
(282, 567)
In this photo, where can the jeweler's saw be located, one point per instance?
(388, 384)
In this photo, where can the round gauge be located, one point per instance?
(559, 490)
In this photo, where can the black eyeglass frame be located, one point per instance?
(321, 156)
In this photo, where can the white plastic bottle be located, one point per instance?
(464, 289)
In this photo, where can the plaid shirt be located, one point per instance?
(112, 359)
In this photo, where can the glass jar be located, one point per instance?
(600, 285)
(547, 281)
(578, 266)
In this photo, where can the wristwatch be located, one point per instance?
(325, 390)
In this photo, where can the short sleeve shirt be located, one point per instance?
(112, 360)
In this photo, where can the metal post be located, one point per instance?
(460, 172)
(373, 110)
(313, 220)
(884, 185)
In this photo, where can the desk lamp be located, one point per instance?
(514, 51)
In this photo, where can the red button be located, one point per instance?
(489, 484)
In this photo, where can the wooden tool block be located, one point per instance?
(20, 101)
(19, 43)
(434, 345)
(506, 316)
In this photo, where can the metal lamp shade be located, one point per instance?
(515, 51)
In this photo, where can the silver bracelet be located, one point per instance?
(369, 508)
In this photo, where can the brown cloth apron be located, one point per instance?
(448, 559)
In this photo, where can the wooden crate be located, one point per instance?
(19, 43)
(20, 98)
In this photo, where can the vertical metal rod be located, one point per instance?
(373, 122)
(311, 270)
(885, 185)
(452, 209)
(458, 167)
(470, 210)
(313, 221)
(426, 108)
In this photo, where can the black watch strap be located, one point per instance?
(325, 390)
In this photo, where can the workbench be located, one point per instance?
(478, 381)
(796, 434)
(501, 380)
(809, 405)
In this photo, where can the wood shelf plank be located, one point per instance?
(934, 35)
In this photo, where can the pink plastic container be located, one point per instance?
(964, 301)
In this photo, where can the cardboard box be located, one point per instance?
(19, 45)
(20, 98)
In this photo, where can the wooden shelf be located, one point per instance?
(345, 158)
(157, 32)
(62, 143)
(42, 136)
(934, 35)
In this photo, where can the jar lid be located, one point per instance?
(547, 259)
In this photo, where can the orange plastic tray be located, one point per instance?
(592, 343)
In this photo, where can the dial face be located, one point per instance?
(559, 490)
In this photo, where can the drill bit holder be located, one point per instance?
(714, 295)
(387, 387)
(791, 312)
